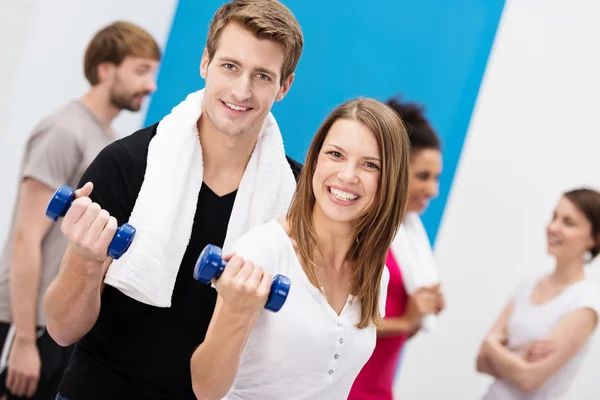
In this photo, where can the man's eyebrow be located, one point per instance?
(259, 69)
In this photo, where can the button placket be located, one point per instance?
(338, 349)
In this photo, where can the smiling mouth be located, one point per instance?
(234, 107)
(554, 242)
(341, 195)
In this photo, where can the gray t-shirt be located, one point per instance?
(58, 152)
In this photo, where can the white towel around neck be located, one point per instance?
(164, 211)
(414, 255)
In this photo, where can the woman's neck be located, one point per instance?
(334, 240)
(568, 271)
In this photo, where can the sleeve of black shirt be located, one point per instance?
(295, 166)
(113, 174)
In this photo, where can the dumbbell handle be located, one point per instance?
(210, 265)
(60, 203)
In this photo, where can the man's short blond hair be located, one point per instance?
(266, 19)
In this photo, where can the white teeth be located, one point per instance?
(237, 108)
(342, 195)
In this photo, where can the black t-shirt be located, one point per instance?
(137, 351)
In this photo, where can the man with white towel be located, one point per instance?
(205, 174)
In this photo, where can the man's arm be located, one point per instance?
(51, 156)
(570, 335)
(72, 302)
(31, 226)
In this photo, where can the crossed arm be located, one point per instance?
(569, 336)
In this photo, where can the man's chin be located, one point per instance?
(229, 129)
(133, 107)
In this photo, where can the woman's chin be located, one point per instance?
(416, 208)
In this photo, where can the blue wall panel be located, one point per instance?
(430, 51)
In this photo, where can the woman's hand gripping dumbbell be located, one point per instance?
(89, 228)
(211, 265)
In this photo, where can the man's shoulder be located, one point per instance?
(295, 166)
(59, 123)
(139, 141)
(129, 152)
(72, 118)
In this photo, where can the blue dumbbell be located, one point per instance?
(61, 202)
(211, 265)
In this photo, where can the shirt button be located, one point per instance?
(336, 356)
(330, 371)
(340, 324)
(341, 340)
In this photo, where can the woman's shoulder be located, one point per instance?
(283, 222)
(591, 287)
(266, 244)
(586, 294)
(264, 235)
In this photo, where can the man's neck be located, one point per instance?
(98, 103)
(224, 157)
(222, 151)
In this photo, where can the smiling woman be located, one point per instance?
(410, 302)
(537, 345)
(349, 202)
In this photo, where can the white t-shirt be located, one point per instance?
(305, 350)
(529, 321)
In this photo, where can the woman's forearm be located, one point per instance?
(484, 364)
(396, 326)
(215, 362)
(509, 365)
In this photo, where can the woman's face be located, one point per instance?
(347, 173)
(569, 232)
(423, 182)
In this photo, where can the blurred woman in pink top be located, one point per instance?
(409, 302)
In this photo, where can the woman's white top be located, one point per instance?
(305, 350)
(529, 321)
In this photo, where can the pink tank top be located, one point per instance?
(375, 381)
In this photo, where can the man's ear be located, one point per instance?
(204, 63)
(285, 87)
(106, 71)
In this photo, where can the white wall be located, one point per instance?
(534, 134)
(43, 43)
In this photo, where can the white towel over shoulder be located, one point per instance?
(164, 211)
(414, 255)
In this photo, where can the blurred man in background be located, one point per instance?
(120, 64)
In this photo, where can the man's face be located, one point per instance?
(243, 80)
(131, 82)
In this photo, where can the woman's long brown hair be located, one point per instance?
(376, 230)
